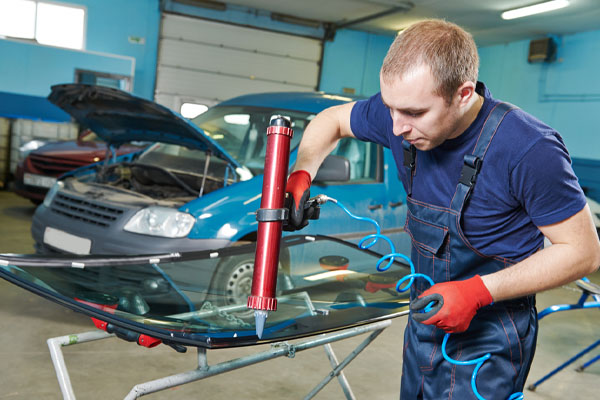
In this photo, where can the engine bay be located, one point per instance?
(158, 182)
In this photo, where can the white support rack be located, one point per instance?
(205, 371)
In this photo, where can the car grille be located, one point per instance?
(84, 210)
(54, 166)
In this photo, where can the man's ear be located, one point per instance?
(465, 93)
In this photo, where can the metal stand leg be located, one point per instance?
(277, 350)
(341, 377)
(56, 344)
(533, 386)
(343, 364)
(331, 355)
(204, 370)
(587, 364)
(588, 289)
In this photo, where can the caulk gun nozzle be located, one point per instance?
(260, 316)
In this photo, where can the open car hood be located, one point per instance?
(326, 285)
(119, 117)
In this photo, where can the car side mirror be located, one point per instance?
(333, 169)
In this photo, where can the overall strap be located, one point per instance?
(410, 155)
(472, 162)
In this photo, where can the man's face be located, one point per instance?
(421, 117)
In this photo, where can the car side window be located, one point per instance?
(363, 158)
(298, 125)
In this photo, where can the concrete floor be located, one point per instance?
(110, 368)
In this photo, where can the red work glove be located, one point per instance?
(297, 191)
(456, 303)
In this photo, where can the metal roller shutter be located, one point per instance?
(204, 61)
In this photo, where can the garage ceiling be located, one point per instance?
(480, 17)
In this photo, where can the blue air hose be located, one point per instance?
(478, 362)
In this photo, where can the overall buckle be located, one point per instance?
(410, 154)
(470, 170)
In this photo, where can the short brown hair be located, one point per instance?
(445, 47)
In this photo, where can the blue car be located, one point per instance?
(199, 185)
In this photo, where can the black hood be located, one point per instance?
(119, 117)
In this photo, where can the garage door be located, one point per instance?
(206, 62)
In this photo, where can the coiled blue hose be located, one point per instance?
(478, 362)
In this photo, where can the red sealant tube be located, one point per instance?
(270, 216)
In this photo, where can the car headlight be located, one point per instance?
(28, 147)
(52, 192)
(161, 221)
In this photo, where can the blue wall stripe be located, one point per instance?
(13, 105)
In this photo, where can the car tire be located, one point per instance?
(232, 282)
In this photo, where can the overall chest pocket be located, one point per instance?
(430, 254)
(427, 236)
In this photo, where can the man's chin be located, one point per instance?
(422, 145)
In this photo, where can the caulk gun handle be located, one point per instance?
(312, 210)
(312, 206)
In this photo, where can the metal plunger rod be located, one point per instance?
(270, 218)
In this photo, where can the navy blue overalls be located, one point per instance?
(507, 330)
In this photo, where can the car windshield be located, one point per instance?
(240, 130)
(323, 284)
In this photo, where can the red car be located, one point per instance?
(37, 171)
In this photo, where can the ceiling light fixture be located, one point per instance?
(535, 9)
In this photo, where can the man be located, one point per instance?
(485, 183)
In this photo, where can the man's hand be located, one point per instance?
(455, 304)
(297, 193)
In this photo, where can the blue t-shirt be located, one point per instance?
(526, 179)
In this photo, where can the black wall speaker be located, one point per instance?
(542, 50)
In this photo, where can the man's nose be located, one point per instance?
(400, 126)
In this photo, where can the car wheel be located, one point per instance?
(232, 282)
(236, 281)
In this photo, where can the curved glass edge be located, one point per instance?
(310, 307)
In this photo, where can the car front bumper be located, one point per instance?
(107, 239)
(33, 193)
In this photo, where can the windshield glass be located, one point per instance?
(199, 299)
(240, 130)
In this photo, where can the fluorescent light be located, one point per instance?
(328, 274)
(192, 110)
(237, 119)
(535, 9)
(17, 18)
(58, 25)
